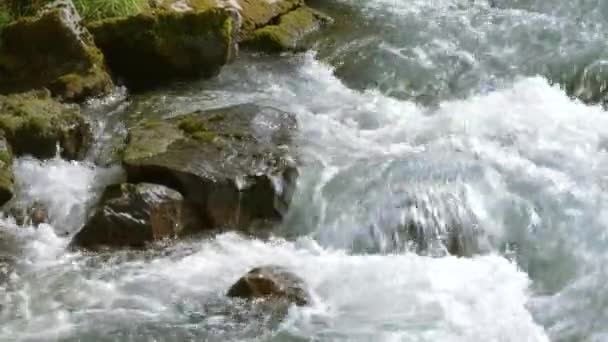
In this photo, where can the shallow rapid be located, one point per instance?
(482, 116)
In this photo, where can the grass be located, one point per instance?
(89, 9)
(101, 9)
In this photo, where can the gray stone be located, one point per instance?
(234, 164)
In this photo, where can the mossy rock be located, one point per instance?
(253, 14)
(288, 32)
(150, 48)
(7, 180)
(259, 13)
(227, 162)
(35, 124)
(51, 50)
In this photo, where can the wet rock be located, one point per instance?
(133, 215)
(288, 31)
(33, 215)
(152, 47)
(271, 282)
(35, 124)
(52, 50)
(9, 255)
(234, 164)
(7, 179)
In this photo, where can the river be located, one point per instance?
(480, 116)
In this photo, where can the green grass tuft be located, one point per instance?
(101, 9)
(89, 9)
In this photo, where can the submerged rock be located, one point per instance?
(7, 179)
(271, 282)
(35, 124)
(133, 215)
(289, 30)
(28, 215)
(52, 50)
(234, 164)
(149, 48)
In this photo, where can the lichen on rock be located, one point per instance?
(35, 124)
(59, 55)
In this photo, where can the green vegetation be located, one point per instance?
(101, 9)
(287, 32)
(5, 16)
(197, 129)
(88, 9)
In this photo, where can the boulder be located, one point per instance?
(35, 124)
(271, 282)
(234, 164)
(52, 50)
(133, 215)
(7, 180)
(152, 47)
(289, 30)
(259, 13)
(253, 13)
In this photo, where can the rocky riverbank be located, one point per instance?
(232, 168)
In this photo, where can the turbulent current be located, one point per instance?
(482, 116)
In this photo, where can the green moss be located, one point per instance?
(191, 125)
(151, 48)
(34, 124)
(71, 69)
(256, 14)
(197, 128)
(6, 158)
(287, 33)
(150, 138)
(5, 17)
(204, 136)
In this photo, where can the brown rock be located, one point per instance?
(133, 215)
(271, 282)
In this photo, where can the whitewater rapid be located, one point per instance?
(505, 153)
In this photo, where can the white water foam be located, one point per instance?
(524, 162)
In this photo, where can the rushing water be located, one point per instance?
(468, 115)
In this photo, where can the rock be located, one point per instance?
(271, 282)
(59, 55)
(253, 13)
(233, 164)
(7, 180)
(150, 48)
(32, 215)
(35, 124)
(259, 13)
(133, 215)
(289, 30)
